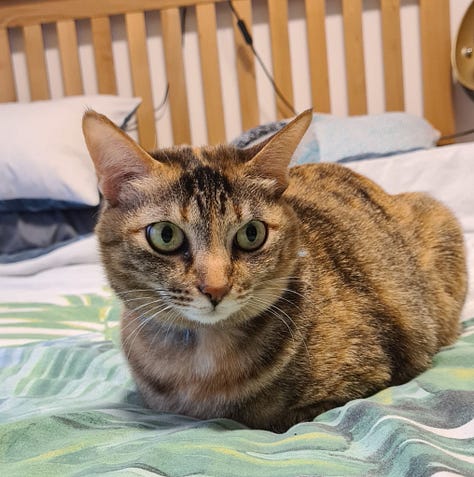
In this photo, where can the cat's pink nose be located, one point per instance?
(215, 293)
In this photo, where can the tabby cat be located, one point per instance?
(265, 294)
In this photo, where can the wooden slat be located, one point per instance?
(104, 60)
(435, 53)
(136, 35)
(207, 31)
(31, 12)
(7, 81)
(354, 54)
(278, 18)
(178, 99)
(392, 55)
(246, 68)
(317, 50)
(70, 66)
(34, 49)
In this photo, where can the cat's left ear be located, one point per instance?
(272, 160)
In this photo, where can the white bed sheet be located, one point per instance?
(72, 269)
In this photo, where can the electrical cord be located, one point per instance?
(182, 14)
(455, 135)
(249, 41)
(134, 125)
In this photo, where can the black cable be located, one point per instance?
(249, 41)
(183, 11)
(455, 135)
(134, 126)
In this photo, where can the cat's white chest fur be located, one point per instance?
(199, 375)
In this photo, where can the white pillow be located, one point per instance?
(447, 173)
(42, 151)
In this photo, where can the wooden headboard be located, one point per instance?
(31, 17)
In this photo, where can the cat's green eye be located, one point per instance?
(165, 237)
(251, 236)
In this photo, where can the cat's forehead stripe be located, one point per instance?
(205, 182)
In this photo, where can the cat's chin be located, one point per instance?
(211, 317)
(224, 312)
(229, 312)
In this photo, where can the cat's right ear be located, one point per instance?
(117, 157)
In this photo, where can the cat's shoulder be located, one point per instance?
(327, 175)
(321, 171)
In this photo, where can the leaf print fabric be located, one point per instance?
(68, 406)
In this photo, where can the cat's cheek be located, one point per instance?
(156, 269)
(265, 260)
(271, 264)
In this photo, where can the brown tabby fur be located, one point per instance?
(354, 290)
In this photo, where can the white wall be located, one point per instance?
(464, 107)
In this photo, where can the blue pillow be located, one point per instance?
(333, 139)
(254, 136)
(379, 135)
(307, 151)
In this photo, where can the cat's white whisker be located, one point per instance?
(285, 279)
(278, 297)
(278, 312)
(168, 318)
(275, 312)
(133, 335)
(134, 290)
(284, 290)
(272, 308)
(277, 293)
(134, 317)
(172, 321)
(144, 305)
(130, 300)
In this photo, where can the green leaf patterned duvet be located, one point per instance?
(68, 407)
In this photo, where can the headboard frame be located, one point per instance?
(31, 15)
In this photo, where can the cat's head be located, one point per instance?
(195, 235)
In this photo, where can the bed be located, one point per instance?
(68, 405)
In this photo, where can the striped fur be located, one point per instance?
(353, 290)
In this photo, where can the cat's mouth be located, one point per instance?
(208, 313)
